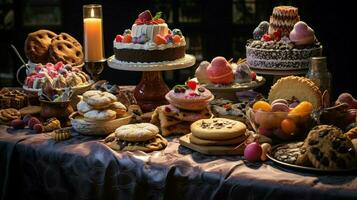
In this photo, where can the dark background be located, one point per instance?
(213, 28)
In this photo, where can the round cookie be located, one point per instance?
(118, 107)
(328, 148)
(137, 132)
(100, 115)
(37, 45)
(203, 142)
(67, 37)
(217, 129)
(98, 99)
(9, 114)
(65, 51)
(83, 107)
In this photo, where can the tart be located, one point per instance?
(299, 87)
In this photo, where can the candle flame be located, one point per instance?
(92, 12)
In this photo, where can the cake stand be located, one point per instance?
(151, 90)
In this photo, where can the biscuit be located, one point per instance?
(37, 45)
(185, 115)
(328, 148)
(99, 115)
(83, 107)
(217, 129)
(137, 132)
(9, 114)
(119, 108)
(67, 52)
(154, 144)
(67, 37)
(203, 142)
(98, 99)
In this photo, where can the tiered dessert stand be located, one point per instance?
(151, 90)
(278, 73)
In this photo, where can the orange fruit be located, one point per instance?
(288, 126)
(127, 38)
(160, 40)
(262, 105)
(176, 39)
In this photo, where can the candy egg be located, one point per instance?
(280, 107)
(266, 148)
(252, 152)
(304, 108)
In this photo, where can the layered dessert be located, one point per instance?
(284, 42)
(58, 75)
(149, 40)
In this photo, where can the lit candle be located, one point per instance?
(93, 33)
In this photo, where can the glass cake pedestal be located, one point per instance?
(151, 90)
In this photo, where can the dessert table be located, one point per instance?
(33, 166)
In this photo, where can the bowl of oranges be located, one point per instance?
(281, 118)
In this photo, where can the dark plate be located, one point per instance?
(304, 168)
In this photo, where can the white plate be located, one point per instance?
(187, 61)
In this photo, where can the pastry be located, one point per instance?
(66, 52)
(299, 87)
(328, 148)
(58, 75)
(217, 129)
(220, 71)
(293, 153)
(283, 19)
(189, 97)
(119, 108)
(67, 37)
(172, 120)
(287, 45)
(149, 40)
(203, 142)
(227, 109)
(98, 99)
(100, 115)
(133, 137)
(37, 45)
(137, 132)
(9, 114)
(13, 98)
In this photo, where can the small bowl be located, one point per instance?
(98, 128)
(269, 123)
(60, 110)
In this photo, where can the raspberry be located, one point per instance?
(266, 37)
(160, 21)
(119, 38)
(277, 35)
(167, 109)
(253, 75)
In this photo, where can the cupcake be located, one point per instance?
(220, 71)
(190, 96)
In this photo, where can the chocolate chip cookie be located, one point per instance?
(328, 148)
(37, 45)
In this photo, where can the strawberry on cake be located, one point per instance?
(149, 40)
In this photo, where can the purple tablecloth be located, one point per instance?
(33, 166)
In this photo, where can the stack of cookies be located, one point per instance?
(188, 103)
(143, 137)
(101, 106)
(217, 133)
(45, 46)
